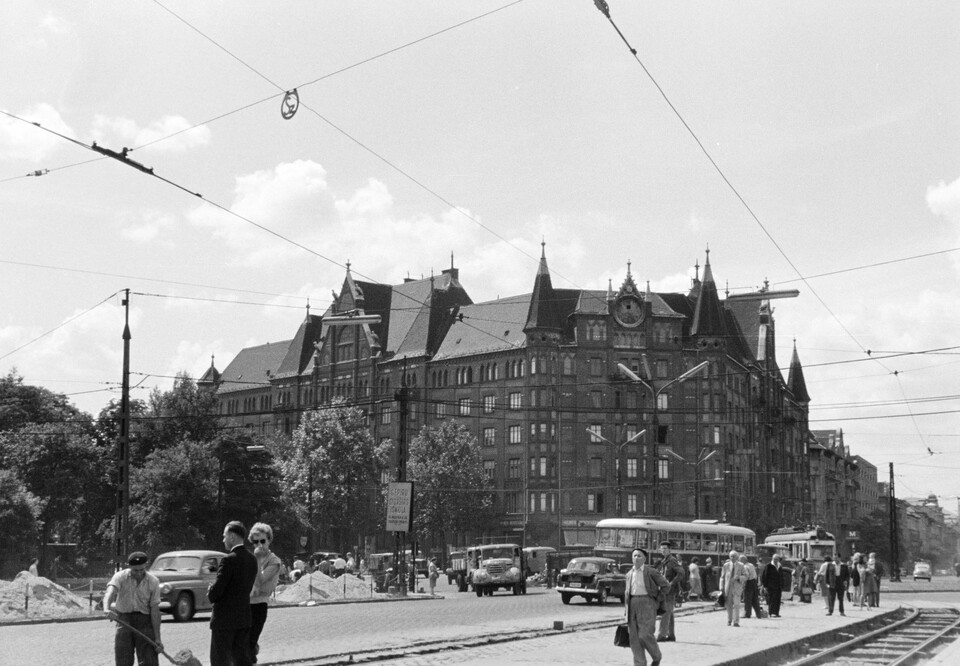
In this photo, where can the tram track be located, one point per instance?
(911, 638)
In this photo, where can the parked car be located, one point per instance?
(184, 578)
(922, 570)
(593, 578)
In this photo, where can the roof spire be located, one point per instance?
(628, 268)
(348, 265)
(308, 308)
(451, 260)
(609, 289)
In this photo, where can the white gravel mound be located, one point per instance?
(29, 597)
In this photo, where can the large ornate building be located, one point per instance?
(565, 433)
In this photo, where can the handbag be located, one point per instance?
(722, 599)
(622, 636)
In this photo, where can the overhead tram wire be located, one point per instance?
(56, 328)
(358, 142)
(605, 10)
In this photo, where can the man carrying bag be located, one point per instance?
(645, 587)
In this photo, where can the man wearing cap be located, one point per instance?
(672, 570)
(136, 593)
(231, 619)
(644, 587)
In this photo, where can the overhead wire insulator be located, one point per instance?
(290, 104)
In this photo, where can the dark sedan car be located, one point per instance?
(593, 578)
(184, 578)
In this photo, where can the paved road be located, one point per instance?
(328, 629)
(338, 629)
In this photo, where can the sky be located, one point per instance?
(813, 145)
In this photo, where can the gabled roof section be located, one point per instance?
(544, 312)
(795, 381)
(708, 312)
(301, 349)
(211, 376)
(253, 367)
(488, 327)
(420, 313)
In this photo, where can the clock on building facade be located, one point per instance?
(628, 311)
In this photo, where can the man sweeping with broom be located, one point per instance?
(137, 612)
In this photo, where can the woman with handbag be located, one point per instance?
(645, 588)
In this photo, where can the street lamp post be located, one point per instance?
(655, 391)
(619, 448)
(696, 473)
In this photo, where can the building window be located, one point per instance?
(489, 404)
(543, 466)
(567, 364)
(489, 436)
(515, 434)
(595, 430)
(596, 399)
(662, 368)
(631, 468)
(489, 468)
(464, 406)
(596, 467)
(595, 502)
(513, 468)
(663, 469)
(512, 503)
(631, 502)
(663, 402)
(386, 414)
(596, 367)
(516, 400)
(441, 410)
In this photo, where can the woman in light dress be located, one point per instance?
(696, 585)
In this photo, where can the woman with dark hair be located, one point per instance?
(268, 575)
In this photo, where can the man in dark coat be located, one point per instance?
(772, 581)
(230, 595)
(672, 570)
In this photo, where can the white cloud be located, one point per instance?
(22, 141)
(147, 227)
(944, 199)
(117, 132)
(56, 24)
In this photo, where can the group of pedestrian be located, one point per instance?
(239, 594)
(858, 580)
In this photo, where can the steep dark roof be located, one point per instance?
(795, 381)
(708, 313)
(544, 312)
(300, 352)
(253, 367)
(487, 327)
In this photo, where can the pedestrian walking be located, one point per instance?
(772, 582)
(874, 565)
(696, 584)
(856, 591)
(433, 573)
(268, 575)
(838, 576)
(708, 575)
(751, 590)
(230, 620)
(645, 588)
(821, 580)
(672, 571)
(732, 580)
(132, 600)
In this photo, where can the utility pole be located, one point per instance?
(894, 534)
(402, 396)
(121, 525)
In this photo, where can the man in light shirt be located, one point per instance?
(136, 592)
(751, 590)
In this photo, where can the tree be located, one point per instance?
(452, 493)
(184, 412)
(22, 405)
(19, 524)
(874, 535)
(174, 498)
(330, 470)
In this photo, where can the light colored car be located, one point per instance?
(922, 570)
(184, 578)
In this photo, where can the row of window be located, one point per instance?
(592, 502)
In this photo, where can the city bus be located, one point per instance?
(617, 537)
(813, 543)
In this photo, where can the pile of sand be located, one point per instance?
(30, 597)
(320, 587)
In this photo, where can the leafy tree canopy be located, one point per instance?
(21, 405)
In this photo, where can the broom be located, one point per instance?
(182, 658)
